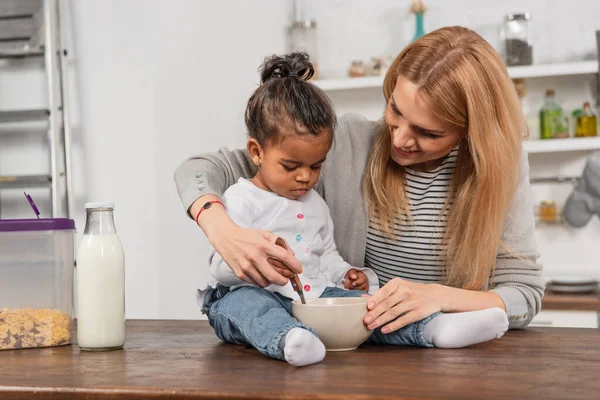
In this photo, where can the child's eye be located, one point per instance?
(316, 167)
(289, 169)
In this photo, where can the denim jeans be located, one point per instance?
(253, 316)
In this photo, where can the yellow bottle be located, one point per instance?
(548, 211)
(587, 122)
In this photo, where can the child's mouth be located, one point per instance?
(300, 192)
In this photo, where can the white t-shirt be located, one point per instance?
(306, 226)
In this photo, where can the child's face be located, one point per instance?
(290, 168)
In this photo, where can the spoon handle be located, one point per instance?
(294, 280)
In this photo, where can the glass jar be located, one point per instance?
(36, 288)
(303, 37)
(517, 39)
(548, 212)
(357, 69)
(100, 282)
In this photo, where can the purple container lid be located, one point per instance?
(43, 224)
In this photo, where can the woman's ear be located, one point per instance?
(255, 150)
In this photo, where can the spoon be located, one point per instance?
(294, 280)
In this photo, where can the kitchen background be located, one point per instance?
(152, 82)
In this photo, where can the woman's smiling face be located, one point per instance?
(419, 139)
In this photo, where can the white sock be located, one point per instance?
(464, 329)
(301, 347)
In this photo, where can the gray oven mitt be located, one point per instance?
(584, 201)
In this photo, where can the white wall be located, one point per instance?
(174, 80)
(155, 81)
(114, 69)
(206, 60)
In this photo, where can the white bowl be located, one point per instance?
(338, 320)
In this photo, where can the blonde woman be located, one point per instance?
(434, 198)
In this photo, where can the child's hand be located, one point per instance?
(356, 280)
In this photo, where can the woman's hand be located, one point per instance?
(401, 302)
(356, 280)
(246, 251)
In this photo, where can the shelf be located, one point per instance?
(571, 301)
(559, 221)
(554, 179)
(549, 70)
(23, 116)
(350, 83)
(530, 71)
(562, 145)
(25, 181)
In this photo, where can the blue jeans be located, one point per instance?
(253, 316)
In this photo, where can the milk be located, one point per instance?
(100, 285)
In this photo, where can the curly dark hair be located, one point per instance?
(285, 99)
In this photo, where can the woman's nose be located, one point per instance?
(402, 136)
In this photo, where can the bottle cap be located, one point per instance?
(99, 206)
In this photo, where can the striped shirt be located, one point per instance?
(415, 250)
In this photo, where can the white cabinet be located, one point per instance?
(566, 319)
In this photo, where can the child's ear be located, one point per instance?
(255, 150)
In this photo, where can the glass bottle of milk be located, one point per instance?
(100, 282)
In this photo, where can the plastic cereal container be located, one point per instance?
(36, 289)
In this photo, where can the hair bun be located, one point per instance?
(293, 65)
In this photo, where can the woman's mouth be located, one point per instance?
(405, 153)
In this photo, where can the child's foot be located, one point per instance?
(466, 328)
(301, 347)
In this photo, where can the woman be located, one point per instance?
(435, 198)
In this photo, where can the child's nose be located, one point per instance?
(303, 176)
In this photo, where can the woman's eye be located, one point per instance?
(429, 135)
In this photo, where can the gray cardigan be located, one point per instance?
(518, 277)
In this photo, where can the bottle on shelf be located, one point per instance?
(548, 212)
(553, 122)
(303, 35)
(587, 122)
(418, 8)
(530, 111)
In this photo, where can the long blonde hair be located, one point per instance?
(469, 89)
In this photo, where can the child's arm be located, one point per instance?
(333, 265)
(241, 212)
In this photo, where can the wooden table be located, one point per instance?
(571, 302)
(184, 360)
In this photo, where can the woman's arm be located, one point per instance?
(211, 174)
(517, 278)
(204, 178)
